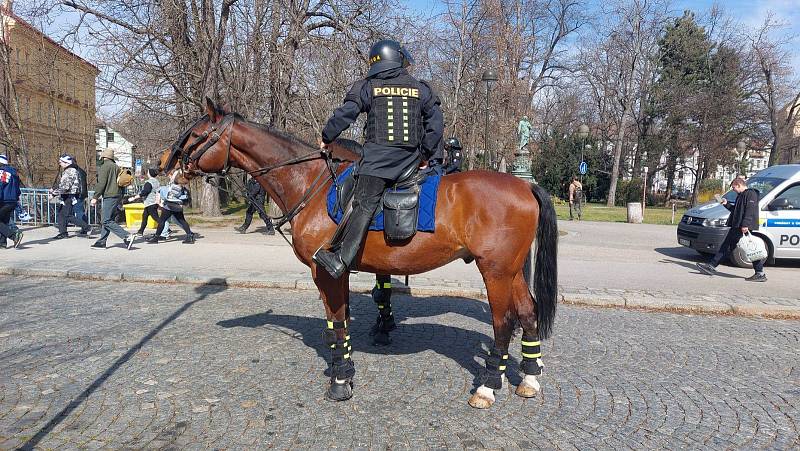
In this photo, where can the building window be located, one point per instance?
(110, 137)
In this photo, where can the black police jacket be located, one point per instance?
(744, 213)
(380, 160)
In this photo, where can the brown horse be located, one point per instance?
(490, 217)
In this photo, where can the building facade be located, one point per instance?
(50, 94)
(108, 138)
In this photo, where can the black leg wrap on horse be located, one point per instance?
(341, 349)
(531, 355)
(495, 368)
(382, 295)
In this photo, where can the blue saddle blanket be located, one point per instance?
(426, 220)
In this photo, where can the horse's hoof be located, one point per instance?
(529, 387)
(483, 398)
(339, 391)
(480, 401)
(381, 339)
(526, 391)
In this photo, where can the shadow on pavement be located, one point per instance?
(681, 252)
(458, 344)
(203, 291)
(693, 266)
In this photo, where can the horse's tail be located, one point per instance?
(544, 283)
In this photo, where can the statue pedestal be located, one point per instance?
(522, 165)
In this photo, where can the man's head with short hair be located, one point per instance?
(738, 185)
(153, 172)
(574, 178)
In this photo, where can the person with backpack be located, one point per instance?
(9, 198)
(69, 190)
(109, 187)
(173, 198)
(149, 193)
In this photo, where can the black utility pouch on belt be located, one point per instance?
(400, 212)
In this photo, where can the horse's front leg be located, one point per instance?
(335, 296)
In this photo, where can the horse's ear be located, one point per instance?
(211, 110)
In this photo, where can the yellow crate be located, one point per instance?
(133, 216)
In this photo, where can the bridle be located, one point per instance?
(191, 154)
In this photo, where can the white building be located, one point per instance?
(108, 138)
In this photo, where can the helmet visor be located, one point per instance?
(407, 59)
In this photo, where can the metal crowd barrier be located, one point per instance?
(36, 201)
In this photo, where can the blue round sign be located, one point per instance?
(583, 168)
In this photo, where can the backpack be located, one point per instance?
(124, 178)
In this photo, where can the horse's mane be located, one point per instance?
(348, 144)
(351, 145)
(274, 131)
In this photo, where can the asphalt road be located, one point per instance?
(127, 365)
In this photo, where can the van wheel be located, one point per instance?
(737, 257)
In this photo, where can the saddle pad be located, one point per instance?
(427, 204)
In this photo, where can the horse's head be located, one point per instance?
(204, 147)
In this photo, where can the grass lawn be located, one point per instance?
(599, 212)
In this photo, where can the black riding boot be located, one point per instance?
(382, 295)
(366, 197)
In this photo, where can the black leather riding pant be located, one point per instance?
(366, 198)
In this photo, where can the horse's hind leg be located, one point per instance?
(335, 296)
(498, 288)
(531, 364)
(382, 295)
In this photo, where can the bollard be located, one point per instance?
(635, 213)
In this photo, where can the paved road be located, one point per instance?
(98, 364)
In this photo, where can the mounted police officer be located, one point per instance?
(454, 155)
(404, 126)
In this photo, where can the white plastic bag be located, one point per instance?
(752, 248)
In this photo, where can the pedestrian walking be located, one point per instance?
(80, 206)
(173, 198)
(575, 198)
(742, 220)
(68, 192)
(256, 195)
(108, 189)
(9, 198)
(149, 193)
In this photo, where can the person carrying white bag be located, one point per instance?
(742, 220)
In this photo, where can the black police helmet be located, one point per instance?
(453, 143)
(386, 55)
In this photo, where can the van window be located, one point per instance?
(792, 195)
(762, 184)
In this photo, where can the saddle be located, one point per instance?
(400, 204)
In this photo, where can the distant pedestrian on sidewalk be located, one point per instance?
(80, 207)
(9, 198)
(575, 198)
(69, 191)
(109, 190)
(742, 220)
(176, 196)
(256, 195)
(149, 193)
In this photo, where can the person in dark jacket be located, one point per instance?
(404, 126)
(110, 192)
(80, 207)
(742, 220)
(256, 195)
(454, 155)
(9, 197)
(148, 196)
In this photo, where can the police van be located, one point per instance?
(703, 228)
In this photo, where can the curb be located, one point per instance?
(647, 303)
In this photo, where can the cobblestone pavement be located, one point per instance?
(88, 364)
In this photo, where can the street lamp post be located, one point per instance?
(583, 133)
(489, 77)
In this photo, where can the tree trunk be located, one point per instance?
(612, 190)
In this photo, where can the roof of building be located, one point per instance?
(25, 24)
